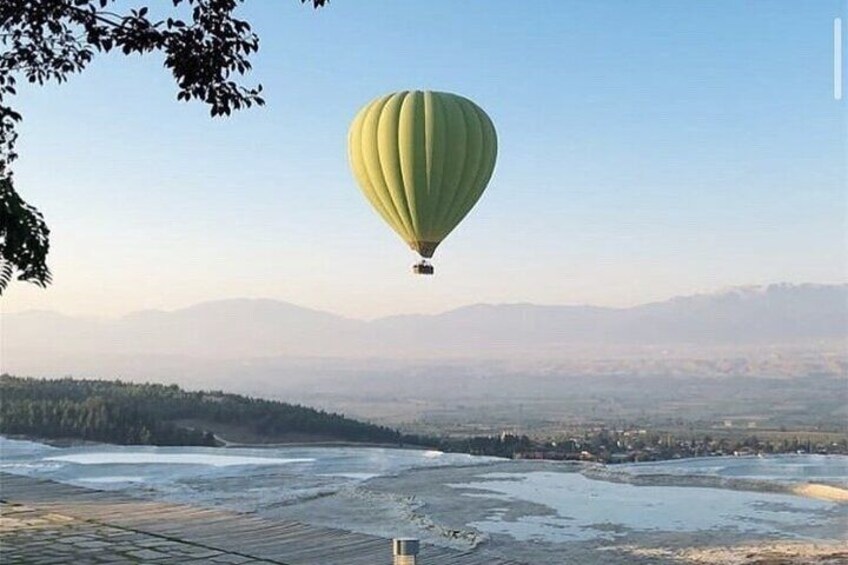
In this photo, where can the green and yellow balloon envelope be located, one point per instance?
(422, 159)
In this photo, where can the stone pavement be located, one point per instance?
(43, 521)
(35, 536)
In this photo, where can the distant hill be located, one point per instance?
(153, 414)
(243, 329)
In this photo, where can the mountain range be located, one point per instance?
(778, 314)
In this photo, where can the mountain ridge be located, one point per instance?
(249, 328)
(751, 290)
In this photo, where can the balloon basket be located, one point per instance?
(422, 268)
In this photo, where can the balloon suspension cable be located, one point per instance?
(423, 268)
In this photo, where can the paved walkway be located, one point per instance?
(36, 536)
(44, 522)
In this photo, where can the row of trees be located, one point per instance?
(95, 419)
(129, 413)
(503, 445)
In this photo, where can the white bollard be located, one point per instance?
(405, 551)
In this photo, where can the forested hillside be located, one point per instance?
(129, 413)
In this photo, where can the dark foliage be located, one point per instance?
(127, 413)
(24, 239)
(206, 49)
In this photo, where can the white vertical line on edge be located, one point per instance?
(837, 58)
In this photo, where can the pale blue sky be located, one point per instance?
(647, 149)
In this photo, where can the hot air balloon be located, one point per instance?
(422, 159)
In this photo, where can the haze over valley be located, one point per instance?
(776, 316)
(534, 363)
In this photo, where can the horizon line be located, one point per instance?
(717, 292)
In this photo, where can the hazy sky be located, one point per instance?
(647, 149)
